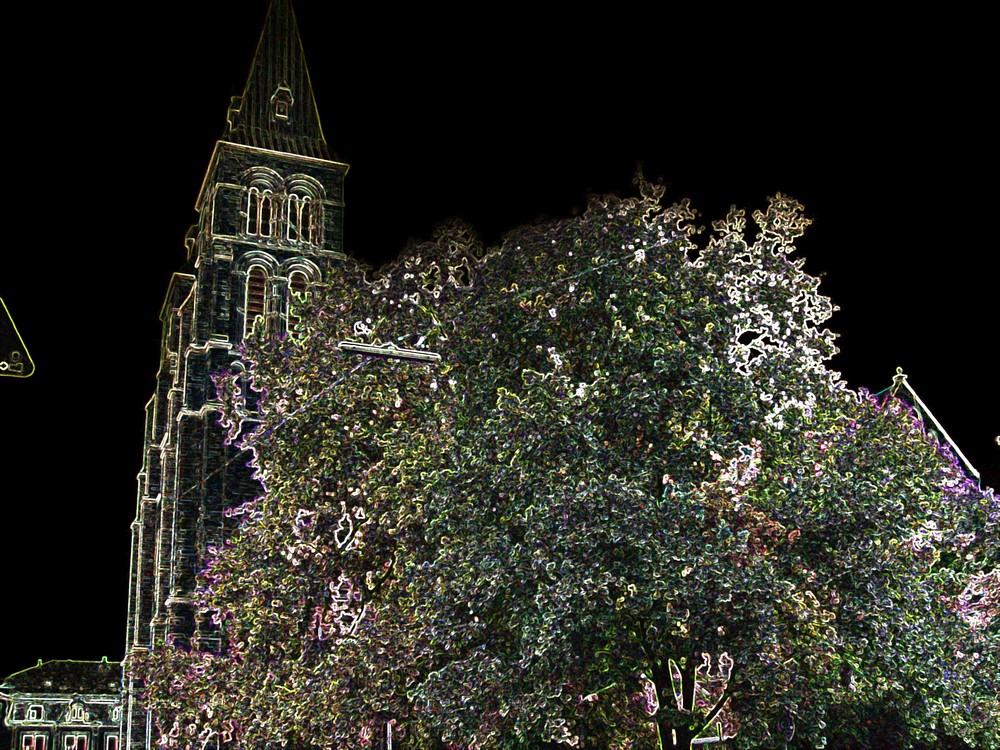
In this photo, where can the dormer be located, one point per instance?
(281, 102)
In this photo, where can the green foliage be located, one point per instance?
(629, 502)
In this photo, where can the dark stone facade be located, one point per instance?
(270, 217)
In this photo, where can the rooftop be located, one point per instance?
(65, 676)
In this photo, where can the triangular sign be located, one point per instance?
(14, 358)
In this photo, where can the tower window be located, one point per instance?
(76, 713)
(297, 285)
(260, 213)
(305, 220)
(298, 282)
(256, 299)
(34, 713)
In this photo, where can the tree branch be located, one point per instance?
(723, 700)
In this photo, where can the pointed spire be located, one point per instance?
(277, 110)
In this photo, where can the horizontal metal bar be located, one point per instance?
(388, 350)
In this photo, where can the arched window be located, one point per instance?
(303, 203)
(298, 215)
(298, 284)
(305, 220)
(256, 298)
(260, 212)
(315, 224)
(268, 217)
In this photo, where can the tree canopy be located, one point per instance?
(629, 506)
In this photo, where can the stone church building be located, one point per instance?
(270, 214)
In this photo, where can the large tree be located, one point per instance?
(629, 506)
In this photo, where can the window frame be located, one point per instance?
(261, 214)
(291, 319)
(248, 317)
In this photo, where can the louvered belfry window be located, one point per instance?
(297, 285)
(297, 282)
(256, 297)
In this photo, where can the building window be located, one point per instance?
(260, 212)
(111, 742)
(76, 712)
(282, 100)
(305, 220)
(75, 742)
(256, 299)
(32, 742)
(34, 713)
(298, 284)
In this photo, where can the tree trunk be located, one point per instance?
(679, 726)
(675, 738)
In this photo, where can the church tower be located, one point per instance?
(270, 218)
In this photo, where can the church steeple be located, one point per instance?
(277, 110)
(270, 225)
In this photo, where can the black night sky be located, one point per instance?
(880, 129)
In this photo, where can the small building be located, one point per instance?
(64, 705)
